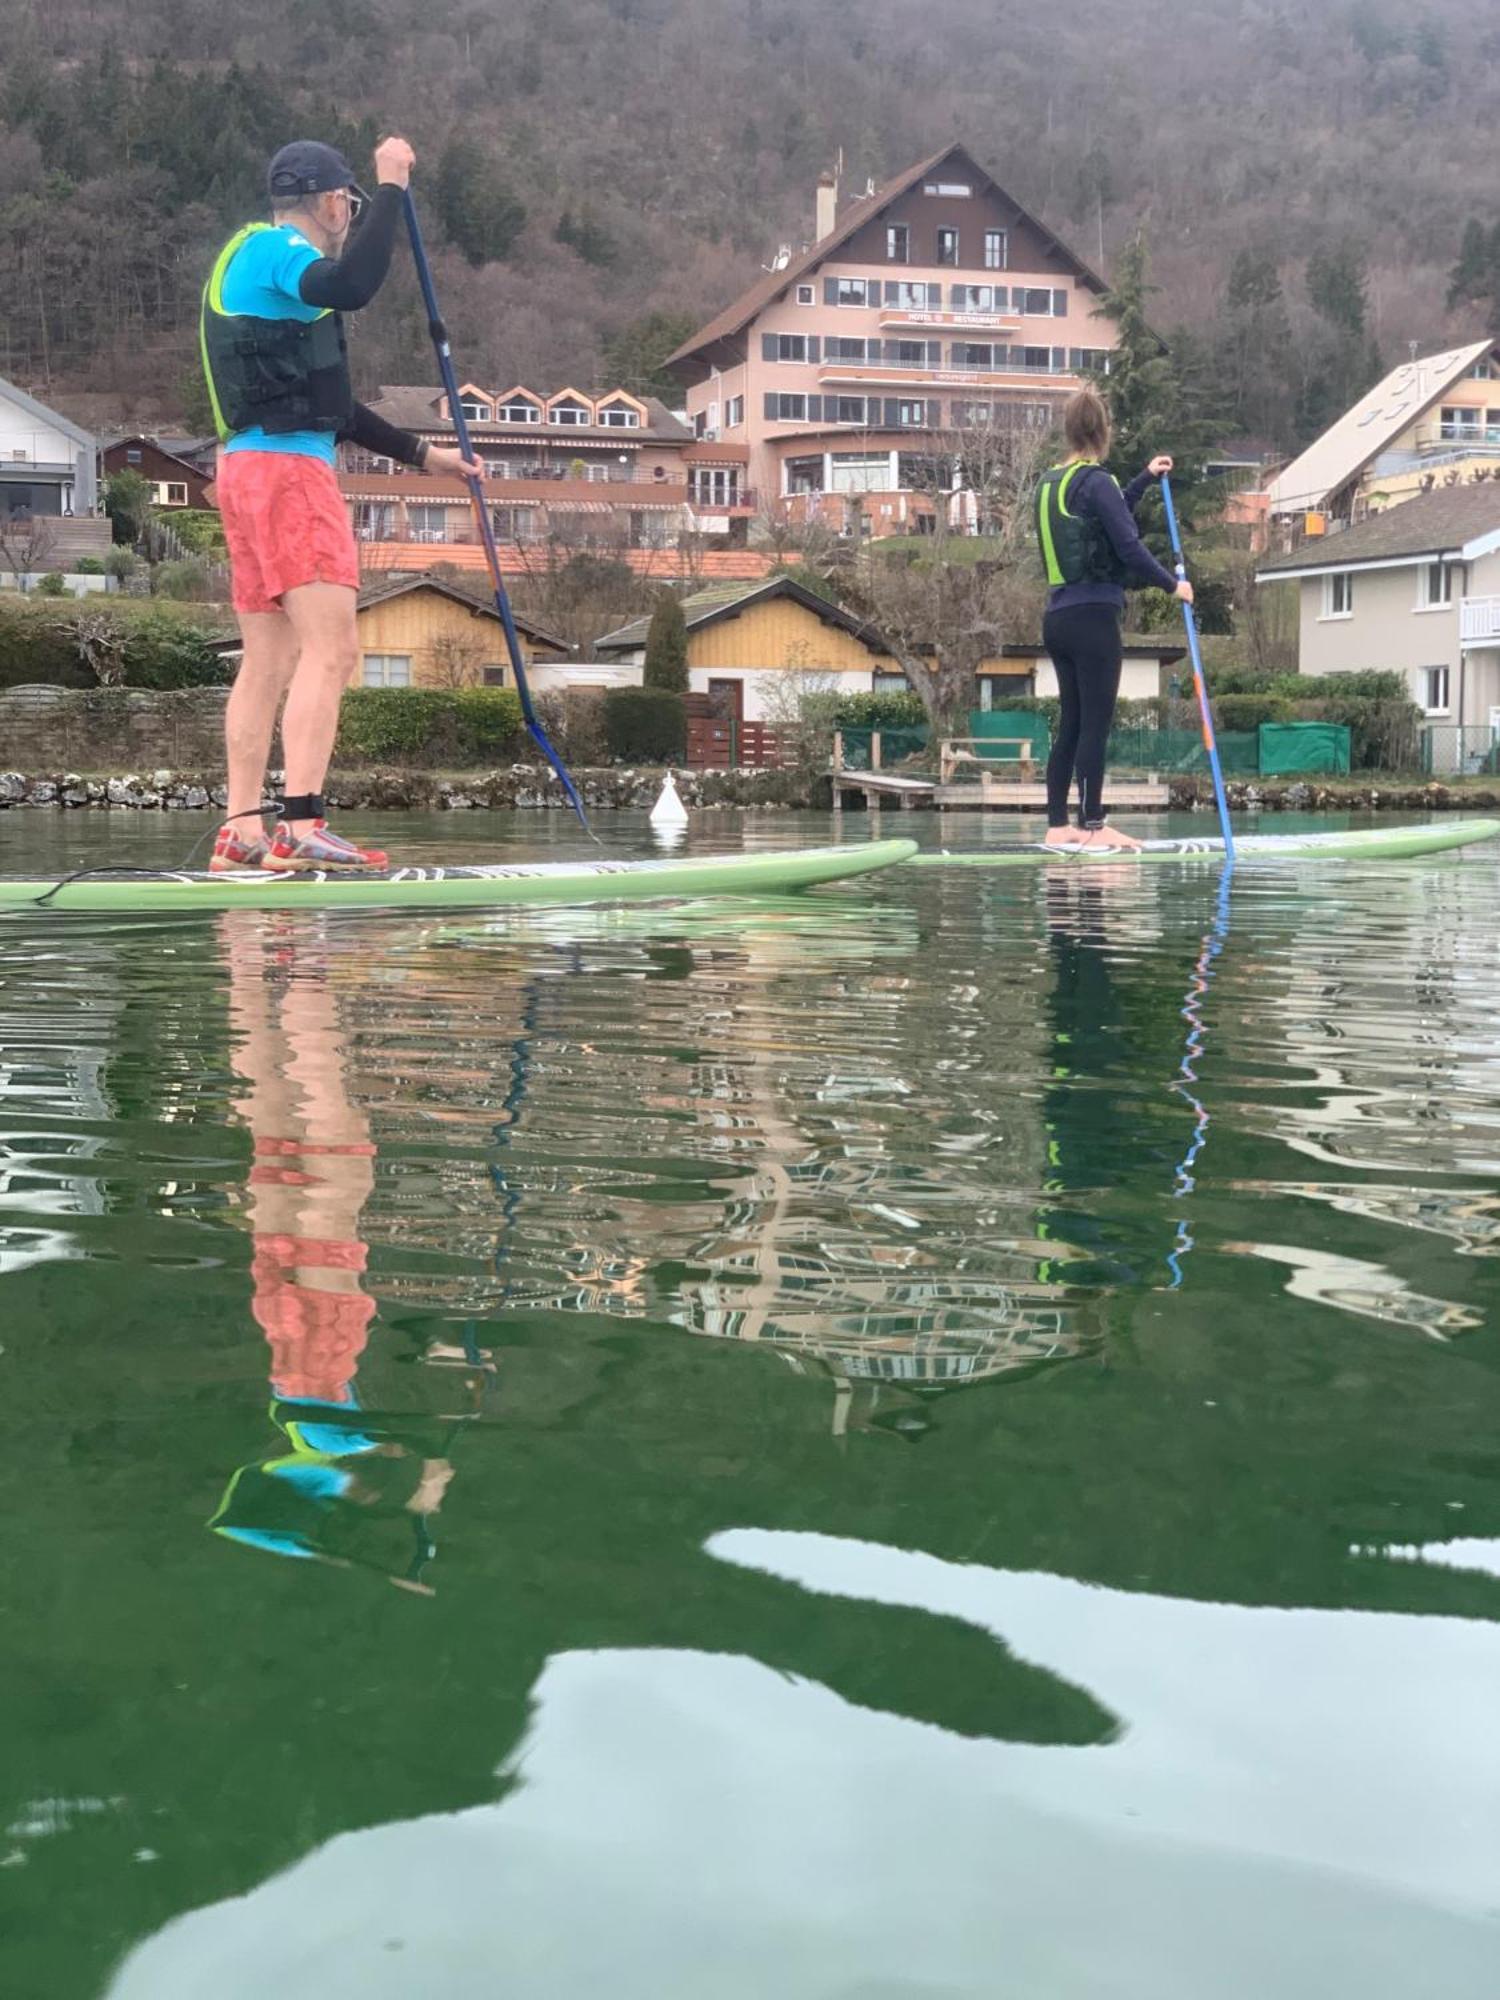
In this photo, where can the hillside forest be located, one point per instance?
(599, 175)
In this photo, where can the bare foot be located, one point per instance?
(1111, 837)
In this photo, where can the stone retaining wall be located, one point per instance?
(111, 729)
(519, 786)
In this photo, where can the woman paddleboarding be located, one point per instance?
(1092, 550)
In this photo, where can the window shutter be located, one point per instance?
(1075, 360)
(1059, 359)
(815, 409)
(891, 413)
(1059, 305)
(769, 347)
(812, 347)
(1001, 301)
(934, 354)
(773, 407)
(830, 291)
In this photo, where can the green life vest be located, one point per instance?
(1075, 547)
(271, 374)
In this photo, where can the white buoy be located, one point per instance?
(669, 809)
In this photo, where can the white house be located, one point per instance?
(1416, 590)
(49, 471)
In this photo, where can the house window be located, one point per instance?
(715, 485)
(897, 243)
(861, 472)
(427, 523)
(1434, 685)
(913, 298)
(791, 347)
(973, 354)
(1456, 424)
(802, 475)
(1090, 360)
(852, 291)
(520, 413)
(970, 415)
(493, 677)
(386, 670)
(596, 474)
(910, 353)
(1338, 595)
(806, 295)
(498, 468)
(790, 409)
(1035, 360)
(169, 492)
(474, 411)
(849, 409)
(997, 249)
(570, 413)
(514, 524)
(1039, 301)
(947, 246)
(1437, 586)
(955, 190)
(374, 520)
(849, 347)
(132, 454)
(734, 413)
(619, 416)
(977, 298)
(1483, 371)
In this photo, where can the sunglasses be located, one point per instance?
(359, 201)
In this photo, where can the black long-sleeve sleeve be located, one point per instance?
(1114, 510)
(351, 281)
(373, 433)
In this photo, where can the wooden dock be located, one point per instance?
(992, 789)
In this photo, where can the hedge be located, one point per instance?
(645, 725)
(156, 647)
(880, 711)
(435, 726)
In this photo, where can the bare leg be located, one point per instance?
(266, 669)
(322, 616)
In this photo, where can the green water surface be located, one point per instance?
(829, 1450)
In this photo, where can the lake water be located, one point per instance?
(822, 1450)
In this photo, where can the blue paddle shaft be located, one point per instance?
(1200, 685)
(444, 354)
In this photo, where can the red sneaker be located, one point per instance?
(236, 850)
(316, 850)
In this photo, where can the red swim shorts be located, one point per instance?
(286, 524)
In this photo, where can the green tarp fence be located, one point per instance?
(1275, 750)
(1286, 747)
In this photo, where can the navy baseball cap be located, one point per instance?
(307, 166)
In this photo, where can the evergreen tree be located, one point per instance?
(666, 647)
(1343, 360)
(1253, 341)
(632, 358)
(1158, 401)
(1472, 277)
(481, 215)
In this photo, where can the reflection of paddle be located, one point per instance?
(1214, 940)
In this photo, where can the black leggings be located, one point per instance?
(1084, 643)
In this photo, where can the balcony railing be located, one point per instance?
(1479, 621)
(721, 503)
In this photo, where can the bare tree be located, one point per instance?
(456, 660)
(956, 601)
(26, 541)
(102, 643)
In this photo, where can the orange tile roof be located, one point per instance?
(669, 565)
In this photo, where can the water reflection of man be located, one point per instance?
(353, 1485)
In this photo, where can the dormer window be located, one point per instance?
(475, 411)
(620, 413)
(519, 406)
(570, 409)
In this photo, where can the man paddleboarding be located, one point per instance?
(275, 358)
(1092, 550)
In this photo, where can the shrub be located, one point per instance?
(186, 580)
(88, 566)
(52, 585)
(119, 563)
(880, 711)
(1248, 711)
(161, 649)
(37, 647)
(200, 529)
(432, 726)
(645, 725)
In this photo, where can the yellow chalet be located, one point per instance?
(429, 632)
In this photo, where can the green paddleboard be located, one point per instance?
(1396, 843)
(449, 888)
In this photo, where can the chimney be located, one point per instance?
(826, 212)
